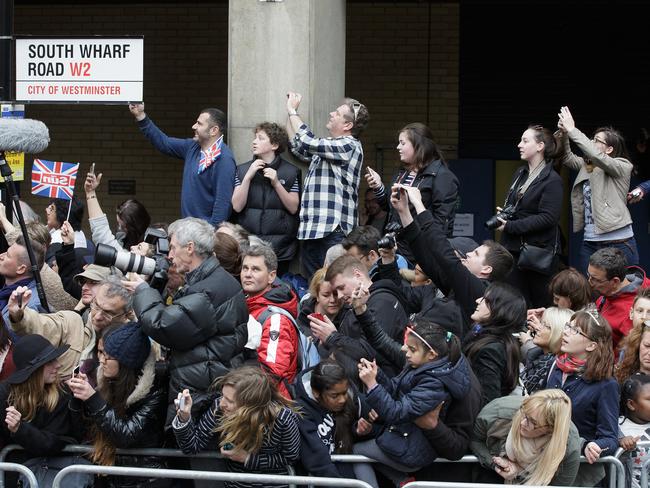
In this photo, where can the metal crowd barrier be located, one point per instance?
(207, 476)
(19, 468)
(84, 449)
(616, 469)
(644, 467)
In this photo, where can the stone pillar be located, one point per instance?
(279, 46)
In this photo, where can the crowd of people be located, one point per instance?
(408, 344)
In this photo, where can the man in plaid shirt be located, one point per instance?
(328, 209)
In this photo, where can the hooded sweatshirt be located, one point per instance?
(278, 349)
(317, 432)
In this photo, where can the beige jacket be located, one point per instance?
(65, 327)
(609, 181)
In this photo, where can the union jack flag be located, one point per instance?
(54, 179)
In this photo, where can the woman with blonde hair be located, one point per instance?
(546, 337)
(256, 427)
(529, 441)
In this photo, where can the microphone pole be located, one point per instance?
(6, 172)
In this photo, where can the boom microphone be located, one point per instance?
(23, 135)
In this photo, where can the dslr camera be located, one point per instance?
(506, 214)
(155, 267)
(390, 238)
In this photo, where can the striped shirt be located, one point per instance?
(331, 191)
(279, 449)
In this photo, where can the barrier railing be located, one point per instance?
(446, 484)
(19, 468)
(207, 476)
(616, 468)
(159, 452)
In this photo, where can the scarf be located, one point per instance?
(526, 455)
(531, 177)
(6, 291)
(570, 364)
(209, 156)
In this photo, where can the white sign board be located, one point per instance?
(96, 69)
(464, 225)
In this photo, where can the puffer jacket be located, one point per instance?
(265, 215)
(609, 181)
(278, 348)
(413, 393)
(142, 424)
(204, 327)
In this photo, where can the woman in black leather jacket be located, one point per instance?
(128, 408)
(425, 168)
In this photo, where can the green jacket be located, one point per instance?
(491, 430)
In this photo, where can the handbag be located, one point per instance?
(538, 259)
(406, 444)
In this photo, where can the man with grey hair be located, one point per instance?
(111, 305)
(273, 334)
(205, 325)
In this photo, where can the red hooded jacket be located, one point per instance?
(278, 351)
(616, 308)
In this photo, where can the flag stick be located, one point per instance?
(69, 207)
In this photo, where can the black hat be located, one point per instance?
(462, 245)
(129, 345)
(32, 351)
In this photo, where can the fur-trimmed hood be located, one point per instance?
(145, 382)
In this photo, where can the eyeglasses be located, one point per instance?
(591, 279)
(595, 140)
(531, 421)
(576, 330)
(102, 354)
(97, 309)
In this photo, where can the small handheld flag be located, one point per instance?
(54, 179)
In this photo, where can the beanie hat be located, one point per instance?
(129, 345)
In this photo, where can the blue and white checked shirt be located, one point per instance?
(331, 193)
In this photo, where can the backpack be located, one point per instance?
(308, 355)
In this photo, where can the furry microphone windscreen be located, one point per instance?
(23, 135)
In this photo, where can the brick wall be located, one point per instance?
(391, 65)
(402, 61)
(185, 69)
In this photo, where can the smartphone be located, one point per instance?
(181, 403)
(20, 299)
(228, 446)
(636, 193)
(76, 371)
(92, 169)
(318, 316)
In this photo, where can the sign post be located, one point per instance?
(101, 70)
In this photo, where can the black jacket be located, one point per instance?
(424, 300)
(264, 214)
(70, 263)
(387, 303)
(200, 327)
(439, 262)
(439, 187)
(142, 424)
(48, 432)
(537, 213)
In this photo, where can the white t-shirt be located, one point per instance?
(633, 460)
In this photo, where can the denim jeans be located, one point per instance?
(314, 250)
(628, 247)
